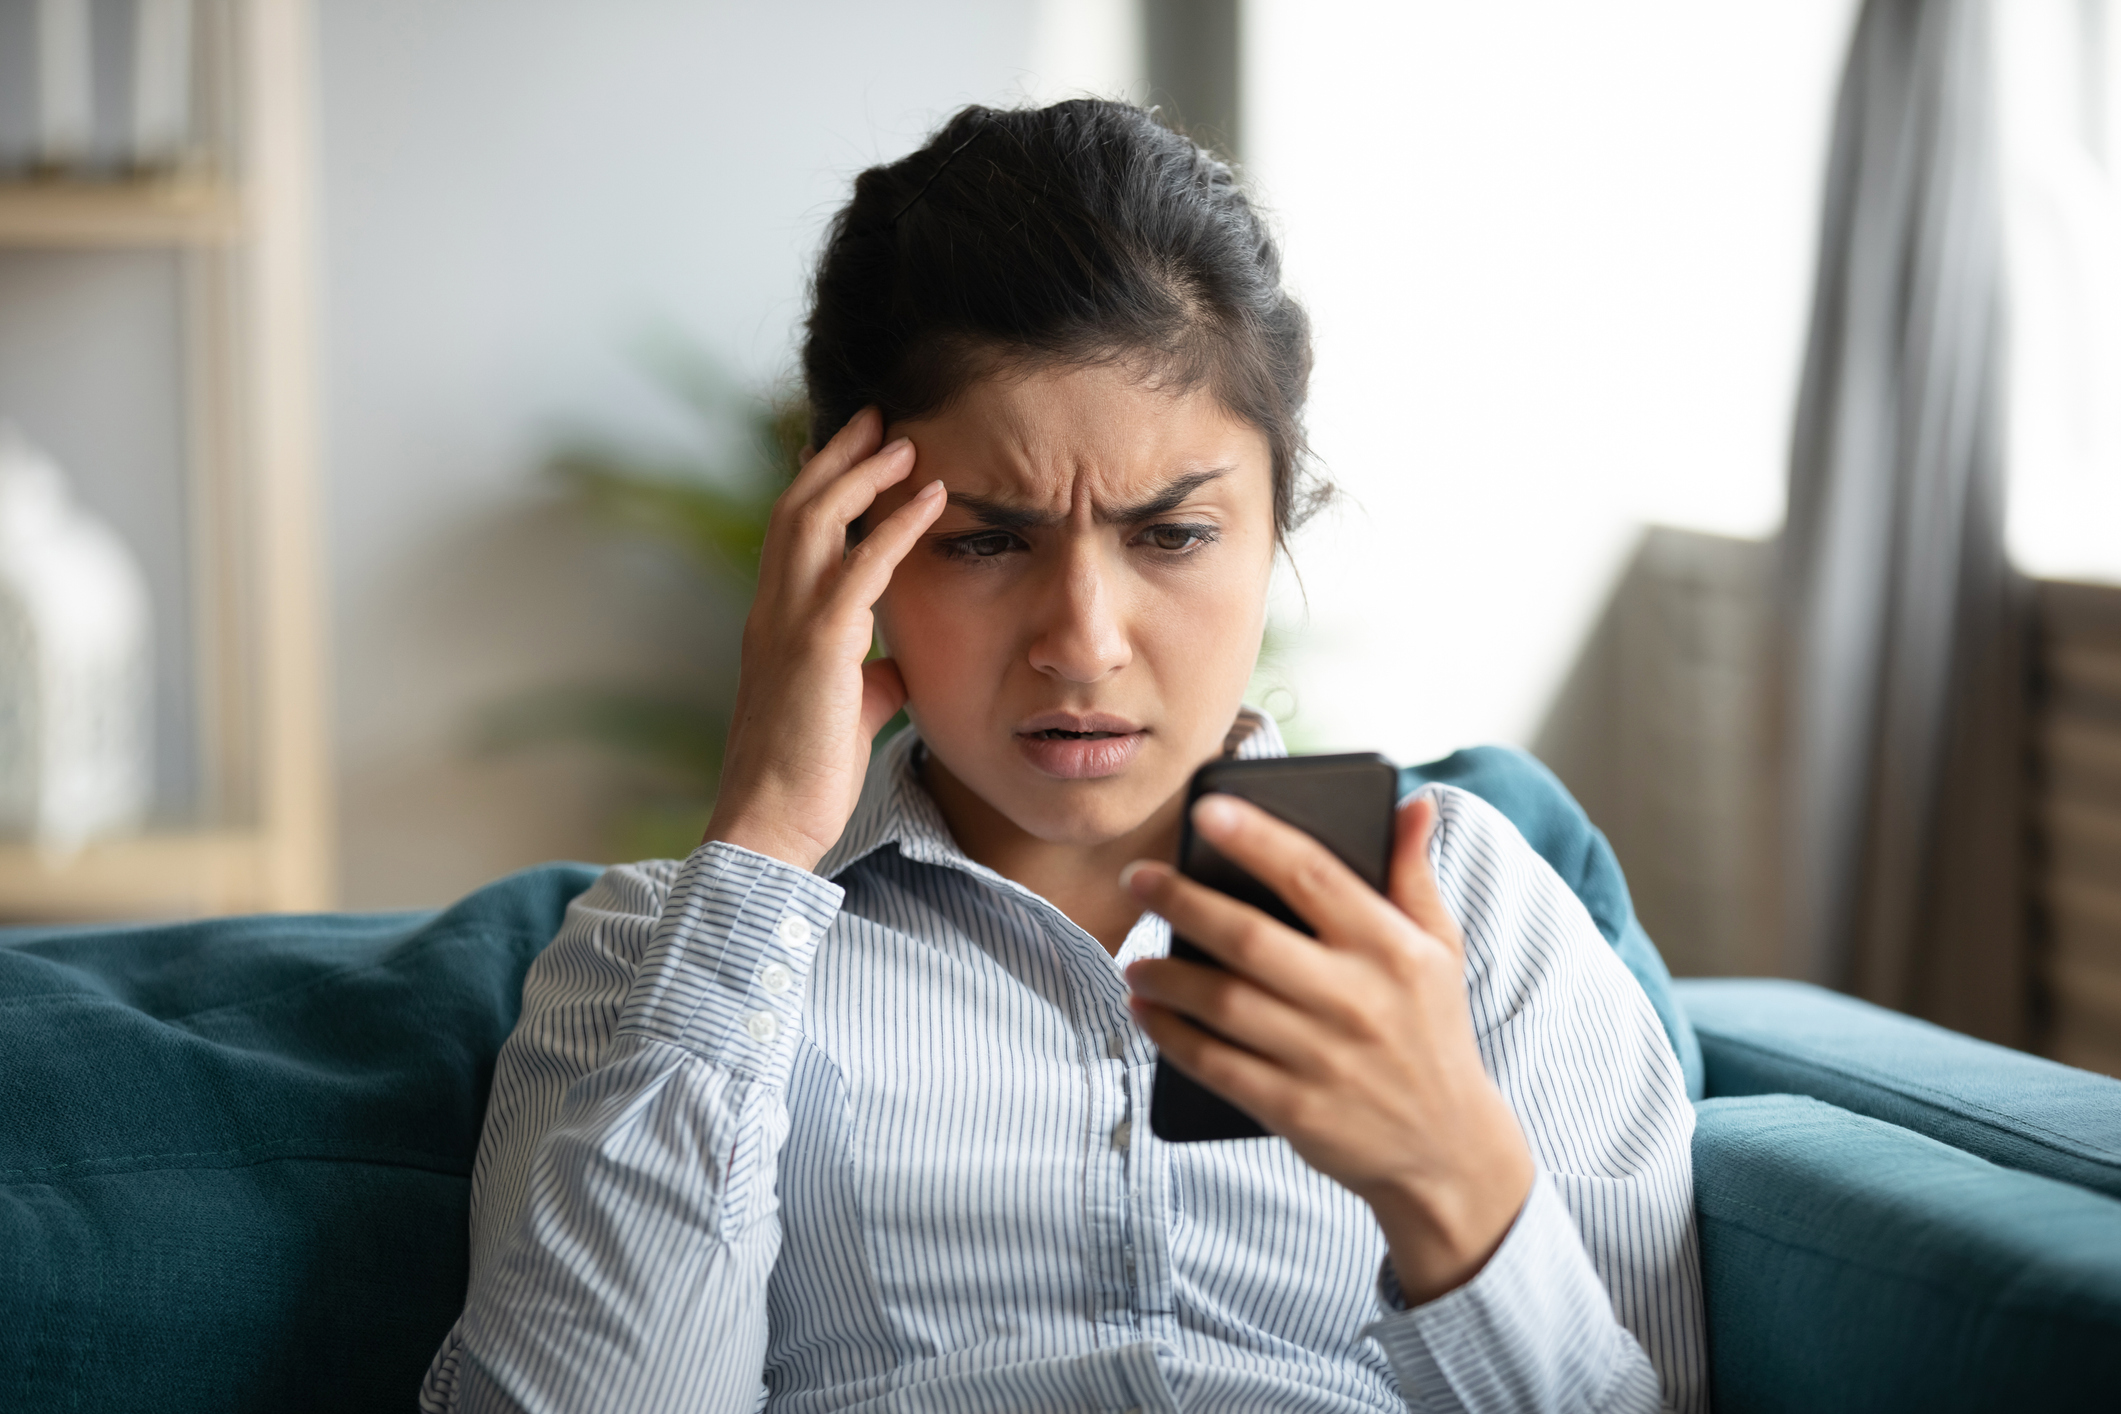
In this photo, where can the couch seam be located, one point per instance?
(260, 1153)
(1936, 1099)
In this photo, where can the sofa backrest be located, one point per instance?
(1764, 1037)
(235, 1155)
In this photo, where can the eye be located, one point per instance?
(983, 546)
(1178, 539)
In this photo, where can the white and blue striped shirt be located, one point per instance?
(873, 1138)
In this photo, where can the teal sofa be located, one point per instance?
(235, 1162)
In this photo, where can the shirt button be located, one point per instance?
(794, 931)
(776, 978)
(1116, 1046)
(1121, 1132)
(761, 1026)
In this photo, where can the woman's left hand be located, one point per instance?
(1357, 1046)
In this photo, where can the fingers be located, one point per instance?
(1321, 890)
(811, 534)
(1413, 884)
(839, 501)
(869, 564)
(1231, 1006)
(860, 438)
(1235, 934)
(1253, 1084)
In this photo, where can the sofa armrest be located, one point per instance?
(1769, 1037)
(1852, 1265)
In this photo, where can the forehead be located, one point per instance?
(1074, 437)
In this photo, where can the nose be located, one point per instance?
(1081, 637)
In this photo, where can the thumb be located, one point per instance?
(1413, 885)
(883, 693)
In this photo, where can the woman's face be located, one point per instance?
(1077, 628)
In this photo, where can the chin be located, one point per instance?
(1085, 815)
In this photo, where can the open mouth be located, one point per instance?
(1080, 745)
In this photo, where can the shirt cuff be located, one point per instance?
(724, 971)
(1534, 1329)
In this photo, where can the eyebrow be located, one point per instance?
(1005, 515)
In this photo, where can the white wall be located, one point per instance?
(514, 193)
(1559, 258)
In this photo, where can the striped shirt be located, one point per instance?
(873, 1138)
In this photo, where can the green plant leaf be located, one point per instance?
(721, 527)
(680, 737)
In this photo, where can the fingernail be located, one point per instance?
(1128, 875)
(895, 445)
(1215, 815)
(932, 490)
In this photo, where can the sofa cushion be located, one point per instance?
(235, 1155)
(1533, 799)
(1850, 1264)
(1764, 1037)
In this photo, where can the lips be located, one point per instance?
(1076, 746)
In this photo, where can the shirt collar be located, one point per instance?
(896, 809)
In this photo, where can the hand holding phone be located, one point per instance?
(1345, 802)
(1342, 1022)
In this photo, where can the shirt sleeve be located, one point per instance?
(624, 1219)
(1593, 1302)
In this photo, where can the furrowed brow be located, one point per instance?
(1005, 515)
(1001, 515)
(1165, 501)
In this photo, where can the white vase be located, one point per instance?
(76, 687)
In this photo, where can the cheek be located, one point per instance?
(928, 622)
(1204, 633)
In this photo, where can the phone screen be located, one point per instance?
(1344, 802)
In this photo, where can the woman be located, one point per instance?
(843, 1111)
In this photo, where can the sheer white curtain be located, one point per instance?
(2059, 91)
(1558, 256)
(1904, 683)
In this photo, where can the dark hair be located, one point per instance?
(1086, 232)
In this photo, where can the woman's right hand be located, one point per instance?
(806, 703)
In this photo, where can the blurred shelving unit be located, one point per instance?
(166, 211)
(2076, 820)
(238, 216)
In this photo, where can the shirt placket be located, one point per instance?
(1115, 1115)
(1149, 1181)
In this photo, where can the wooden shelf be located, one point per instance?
(174, 875)
(246, 366)
(172, 212)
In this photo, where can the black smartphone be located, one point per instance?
(1343, 802)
